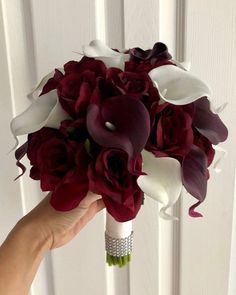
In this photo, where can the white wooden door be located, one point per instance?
(192, 256)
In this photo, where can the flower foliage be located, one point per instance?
(108, 110)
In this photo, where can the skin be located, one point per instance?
(34, 235)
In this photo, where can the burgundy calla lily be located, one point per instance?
(158, 53)
(208, 123)
(120, 122)
(195, 175)
(19, 154)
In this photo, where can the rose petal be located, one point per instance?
(163, 181)
(181, 86)
(70, 191)
(74, 186)
(208, 123)
(46, 111)
(195, 173)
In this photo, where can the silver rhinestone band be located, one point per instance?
(119, 247)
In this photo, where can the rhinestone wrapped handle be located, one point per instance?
(119, 247)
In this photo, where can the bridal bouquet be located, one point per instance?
(120, 124)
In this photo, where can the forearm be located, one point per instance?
(20, 257)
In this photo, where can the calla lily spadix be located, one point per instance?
(99, 50)
(163, 181)
(46, 111)
(180, 87)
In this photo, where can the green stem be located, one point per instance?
(120, 261)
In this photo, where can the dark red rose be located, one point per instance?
(50, 156)
(75, 185)
(171, 132)
(110, 177)
(61, 166)
(75, 130)
(205, 145)
(76, 85)
(146, 60)
(134, 83)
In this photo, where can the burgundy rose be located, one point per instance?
(74, 185)
(76, 85)
(134, 83)
(171, 133)
(110, 177)
(50, 156)
(61, 166)
(75, 130)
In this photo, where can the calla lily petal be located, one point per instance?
(181, 86)
(208, 123)
(46, 111)
(34, 94)
(195, 176)
(97, 48)
(19, 154)
(163, 181)
(184, 65)
(192, 211)
(128, 132)
(111, 58)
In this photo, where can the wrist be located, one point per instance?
(32, 233)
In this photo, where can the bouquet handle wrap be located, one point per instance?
(119, 241)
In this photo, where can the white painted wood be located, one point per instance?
(205, 243)
(114, 11)
(101, 22)
(141, 23)
(232, 270)
(10, 203)
(167, 23)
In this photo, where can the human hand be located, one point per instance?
(58, 228)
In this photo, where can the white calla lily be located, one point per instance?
(46, 111)
(36, 91)
(34, 94)
(111, 58)
(180, 86)
(163, 181)
(184, 65)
